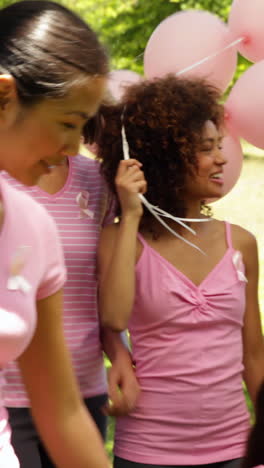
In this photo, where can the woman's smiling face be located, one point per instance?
(34, 138)
(207, 179)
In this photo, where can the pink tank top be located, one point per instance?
(187, 346)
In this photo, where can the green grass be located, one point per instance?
(110, 437)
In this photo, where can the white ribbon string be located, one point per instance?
(210, 57)
(156, 211)
(150, 208)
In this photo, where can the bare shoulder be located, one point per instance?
(242, 236)
(244, 241)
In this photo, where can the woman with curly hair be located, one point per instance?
(193, 318)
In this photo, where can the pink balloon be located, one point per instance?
(232, 150)
(185, 38)
(245, 106)
(233, 153)
(119, 80)
(246, 20)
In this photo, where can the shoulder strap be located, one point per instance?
(141, 239)
(228, 234)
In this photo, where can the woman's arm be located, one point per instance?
(123, 387)
(118, 248)
(64, 424)
(253, 344)
(116, 266)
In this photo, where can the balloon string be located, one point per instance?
(210, 57)
(157, 212)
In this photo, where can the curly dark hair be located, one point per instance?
(163, 119)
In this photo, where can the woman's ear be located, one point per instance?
(8, 98)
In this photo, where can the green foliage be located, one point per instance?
(4, 3)
(125, 26)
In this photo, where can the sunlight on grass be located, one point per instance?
(110, 437)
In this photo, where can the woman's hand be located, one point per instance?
(130, 181)
(123, 388)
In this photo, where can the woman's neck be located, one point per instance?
(55, 181)
(154, 228)
(193, 209)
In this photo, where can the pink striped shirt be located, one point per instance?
(80, 208)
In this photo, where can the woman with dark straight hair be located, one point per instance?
(52, 79)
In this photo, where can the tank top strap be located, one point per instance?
(228, 234)
(141, 239)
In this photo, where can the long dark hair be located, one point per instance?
(255, 447)
(47, 48)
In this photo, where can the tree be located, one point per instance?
(125, 26)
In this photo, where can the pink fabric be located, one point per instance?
(79, 209)
(29, 250)
(187, 346)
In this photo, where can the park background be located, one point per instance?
(125, 26)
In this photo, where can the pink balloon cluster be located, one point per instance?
(119, 80)
(245, 104)
(185, 38)
(198, 43)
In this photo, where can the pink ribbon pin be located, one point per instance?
(82, 200)
(239, 266)
(16, 280)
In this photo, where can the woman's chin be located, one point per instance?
(213, 197)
